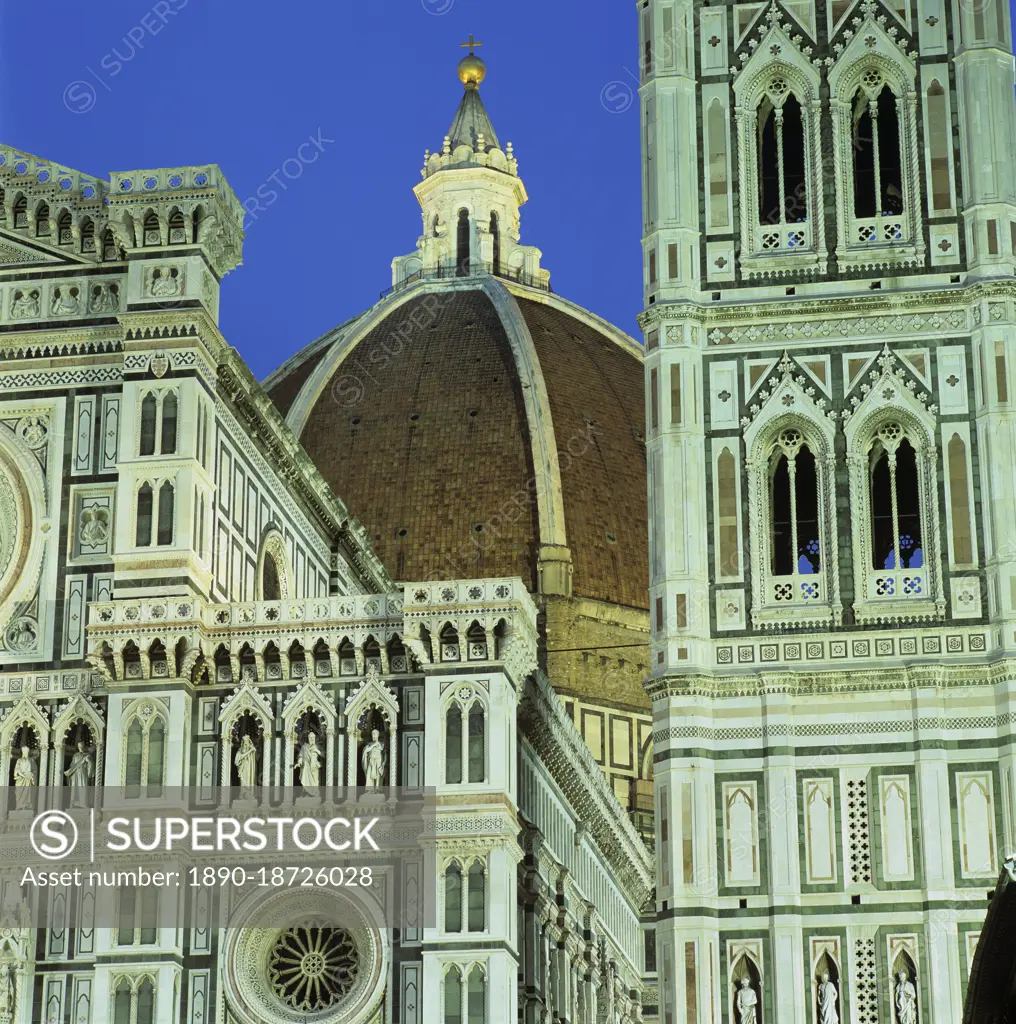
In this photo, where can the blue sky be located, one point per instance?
(131, 85)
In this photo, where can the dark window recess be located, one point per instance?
(462, 245)
(271, 589)
(781, 148)
(650, 951)
(878, 185)
(169, 410)
(803, 510)
(148, 412)
(143, 535)
(166, 502)
(495, 234)
(908, 510)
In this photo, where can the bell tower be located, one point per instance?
(829, 238)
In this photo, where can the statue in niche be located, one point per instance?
(906, 1000)
(827, 996)
(308, 764)
(747, 1001)
(26, 778)
(246, 761)
(80, 773)
(373, 761)
(8, 980)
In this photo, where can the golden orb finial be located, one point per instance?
(472, 70)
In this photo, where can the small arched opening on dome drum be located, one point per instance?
(462, 245)
(495, 234)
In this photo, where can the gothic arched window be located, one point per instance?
(453, 744)
(477, 742)
(453, 897)
(878, 175)
(143, 532)
(65, 234)
(166, 510)
(462, 254)
(793, 495)
(465, 742)
(87, 235)
(781, 160)
(149, 414)
(177, 229)
(476, 996)
(271, 589)
(152, 235)
(896, 541)
(42, 221)
(477, 897)
(169, 410)
(453, 996)
(144, 755)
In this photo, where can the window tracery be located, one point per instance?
(893, 468)
(873, 107)
(465, 738)
(789, 453)
(779, 152)
(143, 752)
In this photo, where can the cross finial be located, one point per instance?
(472, 42)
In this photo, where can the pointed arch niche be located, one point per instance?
(24, 724)
(778, 113)
(372, 706)
(309, 710)
(79, 721)
(790, 446)
(824, 957)
(247, 710)
(745, 959)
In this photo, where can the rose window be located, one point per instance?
(313, 967)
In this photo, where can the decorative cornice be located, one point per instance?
(815, 682)
(778, 310)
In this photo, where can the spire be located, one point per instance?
(472, 126)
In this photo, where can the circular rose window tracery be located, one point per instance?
(313, 967)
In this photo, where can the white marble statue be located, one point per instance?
(246, 762)
(7, 982)
(309, 765)
(26, 778)
(906, 1000)
(746, 1002)
(374, 761)
(80, 774)
(827, 996)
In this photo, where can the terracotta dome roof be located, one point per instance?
(437, 415)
